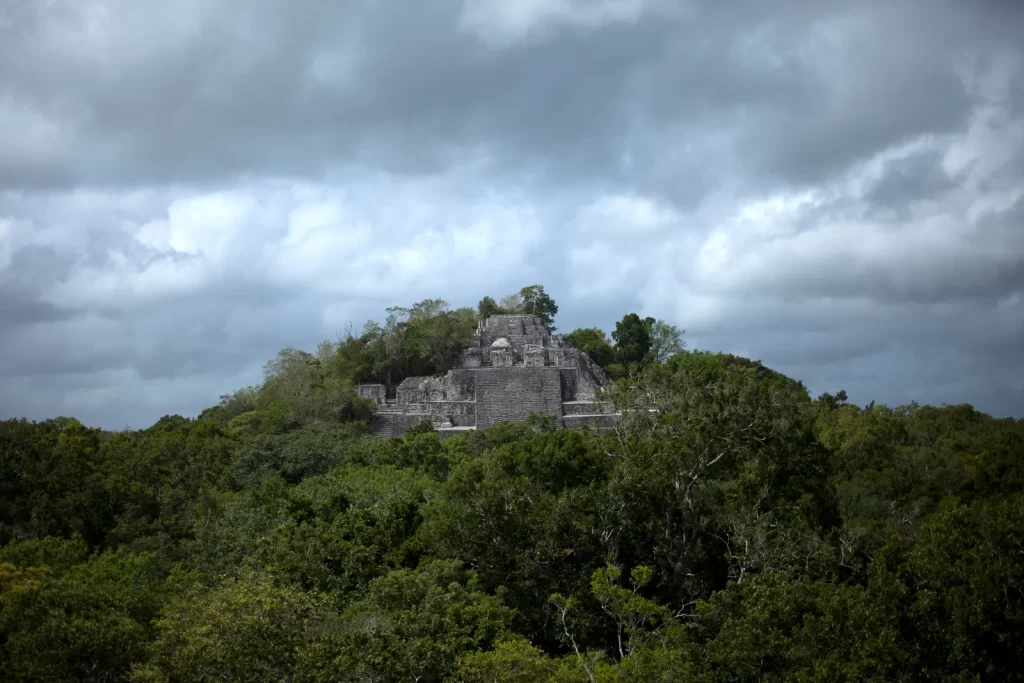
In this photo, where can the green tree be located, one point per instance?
(775, 627)
(535, 301)
(412, 626)
(300, 390)
(293, 456)
(232, 405)
(512, 303)
(529, 515)
(724, 470)
(86, 622)
(666, 340)
(51, 480)
(250, 628)
(513, 660)
(159, 478)
(632, 337)
(488, 307)
(593, 342)
(960, 583)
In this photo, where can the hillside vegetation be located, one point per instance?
(746, 532)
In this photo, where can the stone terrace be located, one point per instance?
(514, 367)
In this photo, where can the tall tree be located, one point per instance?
(488, 307)
(513, 303)
(536, 301)
(666, 340)
(593, 342)
(632, 337)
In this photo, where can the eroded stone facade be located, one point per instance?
(514, 367)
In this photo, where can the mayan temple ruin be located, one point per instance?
(513, 367)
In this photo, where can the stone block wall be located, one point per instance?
(519, 330)
(591, 377)
(535, 357)
(512, 394)
(564, 356)
(461, 385)
(586, 408)
(387, 424)
(450, 413)
(568, 379)
(598, 422)
(503, 358)
(471, 358)
(377, 392)
(457, 385)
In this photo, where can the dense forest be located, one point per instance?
(743, 531)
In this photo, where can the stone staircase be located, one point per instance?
(382, 427)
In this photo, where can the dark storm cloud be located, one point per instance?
(917, 177)
(20, 283)
(21, 307)
(294, 89)
(187, 188)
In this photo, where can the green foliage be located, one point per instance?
(638, 344)
(535, 301)
(136, 488)
(488, 307)
(413, 625)
(637, 619)
(294, 456)
(334, 533)
(249, 628)
(159, 479)
(87, 622)
(777, 628)
(739, 532)
(232, 406)
(50, 480)
(962, 589)
(425, 339)
(666, 340)
(594, 343)
(728, 471)
(530, 300)
(632, 337)
(616, 370)
(527, 516)
(419, 448)
(513, 660)
(57, 555)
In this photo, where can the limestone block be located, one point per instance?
(375, 391)
(461, 385)
(586, 408)
(512, 394)
(420, 389)
(564, 357)
(598, 422)
(502, 358)
(535, 356)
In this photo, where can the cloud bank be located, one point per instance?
(835, 188)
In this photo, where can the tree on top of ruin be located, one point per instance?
(535, 301)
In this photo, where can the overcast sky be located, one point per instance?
(835, 188)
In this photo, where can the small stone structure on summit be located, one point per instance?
(514, 367)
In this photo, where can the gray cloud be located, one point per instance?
(832, 187)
